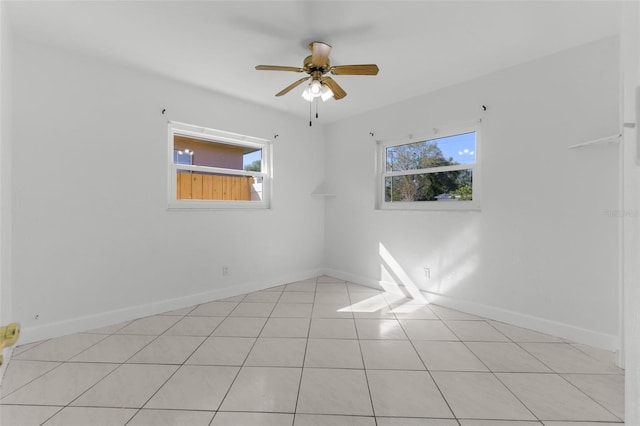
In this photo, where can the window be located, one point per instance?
(436, 173)
(214, 169)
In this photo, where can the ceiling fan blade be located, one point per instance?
(365, 69)
(320, 53)
(277, 68)
(292, 86)
(338, 92)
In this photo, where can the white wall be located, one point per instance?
(630, 43)
(541, 253)
(6, 99)
(94, 242)
(6, 88)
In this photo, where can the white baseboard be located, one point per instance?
(541, 325)
(102, 319)
(89, 322)
(356, 279)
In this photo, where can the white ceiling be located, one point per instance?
(420, 46)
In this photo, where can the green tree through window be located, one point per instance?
(254, 166)
(423, 180)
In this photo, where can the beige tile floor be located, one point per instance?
(319, 352)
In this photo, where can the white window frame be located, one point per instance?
(382, 174)
(219, 136)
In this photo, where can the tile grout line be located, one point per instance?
(125, 363)
(491, 371)
(196, 349)
(455, 417)
(304, 357)
(555, 372)
(589, 396)
(431, 375)
(577, 347)
(52, 416)
(513, 394)
(139, 409)
(550, 372)
(61, 363)
(364, 368)
(120, 364)
(245, 358)
(185, 360)
(33, 345)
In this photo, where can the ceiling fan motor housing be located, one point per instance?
(313, 69)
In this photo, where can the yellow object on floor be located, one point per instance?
(8, 336)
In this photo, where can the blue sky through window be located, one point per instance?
(183, 157)
(462, 148)
(249, 158)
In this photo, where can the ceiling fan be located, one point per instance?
(317, 65)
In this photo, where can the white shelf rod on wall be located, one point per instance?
(608, 139)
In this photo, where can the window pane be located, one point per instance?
(252, 161)
(216, 186)
(450, 150)
(440, 187)
(182, 157)
(217, 154)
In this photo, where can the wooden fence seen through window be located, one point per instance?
(203, 186)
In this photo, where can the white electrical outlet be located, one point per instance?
(225, 270)
(427, 273)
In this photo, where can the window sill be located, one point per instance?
(426, 206)
(217, 205)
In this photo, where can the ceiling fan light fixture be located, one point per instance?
(306, 94)
(314, 90)
(325, 93)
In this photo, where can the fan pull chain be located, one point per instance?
(311, 111)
